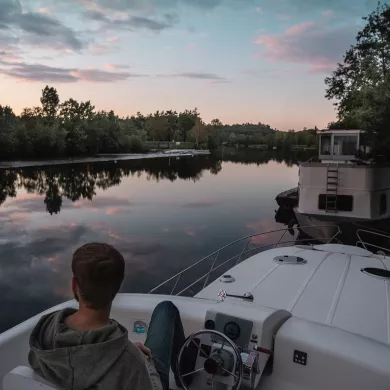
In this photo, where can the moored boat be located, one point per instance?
(340, 188)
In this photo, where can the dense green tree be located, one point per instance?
(361, 84)
(50, 101)
(199, 133)
(74, 128)
(157, 127)
(216, 123)
(187, 121)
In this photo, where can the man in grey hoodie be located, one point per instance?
(85, 349)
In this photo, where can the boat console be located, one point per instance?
(232, 350)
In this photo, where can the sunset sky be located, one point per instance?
(236, 60)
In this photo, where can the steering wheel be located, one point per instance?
(218, 363)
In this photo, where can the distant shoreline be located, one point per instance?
(101, 158)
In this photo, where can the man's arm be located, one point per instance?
(143, 378)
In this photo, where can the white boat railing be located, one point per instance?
(367, 245)
(249, 241)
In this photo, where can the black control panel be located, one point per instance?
(300, 357)
(237, 329)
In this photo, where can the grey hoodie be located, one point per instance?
(101, 359)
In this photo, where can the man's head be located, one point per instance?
(98, 271)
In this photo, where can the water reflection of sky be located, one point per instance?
(160, 226)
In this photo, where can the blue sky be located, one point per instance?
(236, 60)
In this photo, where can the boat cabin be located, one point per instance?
(341, 185)
(339, 145)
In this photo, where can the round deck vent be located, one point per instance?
(377, 272)
(287, 259)
(227, 278)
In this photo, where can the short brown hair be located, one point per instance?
(99, 271)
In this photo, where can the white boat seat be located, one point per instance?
(24, 378)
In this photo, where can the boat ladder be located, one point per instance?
(332, 181)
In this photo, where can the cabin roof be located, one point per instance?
(343, 131)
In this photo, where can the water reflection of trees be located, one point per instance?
(81, 181)
(260, 157)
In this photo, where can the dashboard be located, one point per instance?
(251, 338)
(239, 330)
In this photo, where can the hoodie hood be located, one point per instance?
(72, 359)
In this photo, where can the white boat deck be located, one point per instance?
(323, 308)
(329, 289)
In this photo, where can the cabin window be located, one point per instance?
(345, 145)
(383, 204)
(344, 202)
(326, 141)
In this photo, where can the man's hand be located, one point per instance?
(145, 350)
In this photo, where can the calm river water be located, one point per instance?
(161, 214)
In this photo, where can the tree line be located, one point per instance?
(73, 128)
(360, 86)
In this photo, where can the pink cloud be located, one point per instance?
(97, 75)
(315, 44)
(115, 67)
(45, 11)
(105, 47)
(15, 217)
(191, 233)
(165, 230)
(112, 211)
(299, 28)
(10, 57)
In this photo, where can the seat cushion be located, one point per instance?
(24, 378)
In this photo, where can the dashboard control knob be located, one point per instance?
(209, 324)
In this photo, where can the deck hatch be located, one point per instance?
(286, 259)
(377, 272)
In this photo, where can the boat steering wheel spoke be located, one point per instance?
(214, 364)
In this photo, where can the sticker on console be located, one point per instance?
(140, 327)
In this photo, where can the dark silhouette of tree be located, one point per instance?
(50, 101)
(8, 181)
(361, 83)
(74, 128)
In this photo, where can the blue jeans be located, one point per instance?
(165, 338)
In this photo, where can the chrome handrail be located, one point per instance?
(360, 241)
(238, 256)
